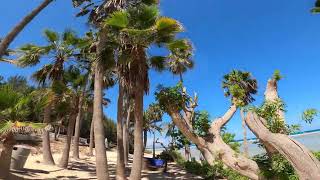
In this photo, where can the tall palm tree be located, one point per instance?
(151, 117)
(4, 43)
(60, 50)
(137, 28)
(77, 83)
(240, 86)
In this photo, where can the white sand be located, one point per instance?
(85, 167)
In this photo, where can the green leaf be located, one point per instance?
(69, 37)
(168, 25)
(118, 19)
(277, 76)
(51, 36)
(158, 62)
(181, 44)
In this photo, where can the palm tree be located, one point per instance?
(60, 49)
(137, 28)
(240, 86)
(151, 116)
(73, 97)
(73, 101)
(4, 43)
(180, 57)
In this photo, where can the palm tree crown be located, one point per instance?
(240, 86)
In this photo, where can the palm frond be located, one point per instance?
(31, 55)
(168, 25)
(144, 17)
(118, 19)
(69, 37)
(150, 2)
(41, 75)
(17, 127)
(180, 44)
(158, 63)
(51, 36)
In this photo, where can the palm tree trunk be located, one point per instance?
(66, 151)
(126, 132)
(145, 139)
(46, 149)
(154, 146)
(99, 136)
(78, 127)
(91, 138)
(245, 141)
(138, 139)
(19, 27)
(5, 156)
(180, 76)
(120, 173)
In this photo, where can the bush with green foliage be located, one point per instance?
(217, 171)
(275, 168)
(269, 111)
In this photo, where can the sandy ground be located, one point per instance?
(85, 168)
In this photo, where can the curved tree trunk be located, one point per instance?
(66, 151)
(46, 149)
(78, 127)
(228, 156)
(19, 27)
(91, 139)
(5, 156)
(303, 161)
(245, 140)
(120, 173)
(217, 147)
(138, 139)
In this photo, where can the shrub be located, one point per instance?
(217, 171)
(275, 168)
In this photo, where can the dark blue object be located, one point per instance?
(156, 162)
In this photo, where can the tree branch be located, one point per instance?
(218, 123)
(184, 128)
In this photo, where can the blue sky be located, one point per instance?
(251, 35)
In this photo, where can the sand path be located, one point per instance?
(84, 169)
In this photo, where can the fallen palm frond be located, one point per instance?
(9, 127)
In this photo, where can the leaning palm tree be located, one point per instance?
(136, 29)
(4, 44)
(61, 48)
